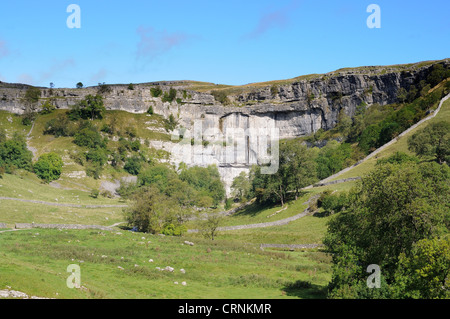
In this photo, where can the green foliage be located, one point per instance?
(169, 96)
(152, 211)
(221, 97)
(206, 180)
(332, 158)
(297, 169)
(241, 187)
(438, 74)
(228, 203)
(172, 230)
(130, 86)
(15, 154)
(150, 110)
(156, 92)
(133, 165)
(402, 95)
(97, 156)
(398, 158)
(369, 138)
(94, 193)
(433, 140)
(103, 89)
(423, 274)
(32, 94)
(89, 136)
(48, 107)
(59, 126)
(49, 167)
(28, 117)
(171, 123)
(79, 85)
(209, 227)
(394, 207)
(91, 107)
(274, 90)
(332, 203)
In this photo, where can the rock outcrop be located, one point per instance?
(295, 107)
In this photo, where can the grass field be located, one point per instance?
(35, 262)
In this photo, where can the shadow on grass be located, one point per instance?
(321, 214)
(305, 290)
(254, 209)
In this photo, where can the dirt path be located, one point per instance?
(268, 224)
(30, 148)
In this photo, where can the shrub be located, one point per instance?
(32, 95)
(97, 156)
(221, 97)
(59, 126)
(433, 140)
(130, 86)
(156, 92)
(15, 154)
(170, 123)
(172, 230)
(94, 193)
(28, 117)
(150, 110)
(89, 136)
(398, 158)
(49, 167)
(103, 88)
(47, 107)
(169, 96)
(133, 165)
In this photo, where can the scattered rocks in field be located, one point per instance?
(168, 268)
(121, 268)
(189, 243)
(6, 293)
(182, 271)
(184, 283)
(150, 260)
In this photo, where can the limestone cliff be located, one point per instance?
(296, 107)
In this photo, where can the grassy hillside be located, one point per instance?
(401, 145)
(35, 262)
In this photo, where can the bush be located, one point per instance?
(47, 107)
(172, 230)
(79, 85)
(156, 92)
(97, 156)
(150, 110)
(433, 140)
(15, 154)
(398, 158)
(170, 96)
(49, 167)
(170, 123)
(130, 86)
(133, 165)
(59, 126)
(221, 97)
(32, 95)
(89, 136)
(94, 193)
(28, 118)
(103, 88)
(151, 211)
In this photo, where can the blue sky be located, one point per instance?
(229, 42)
